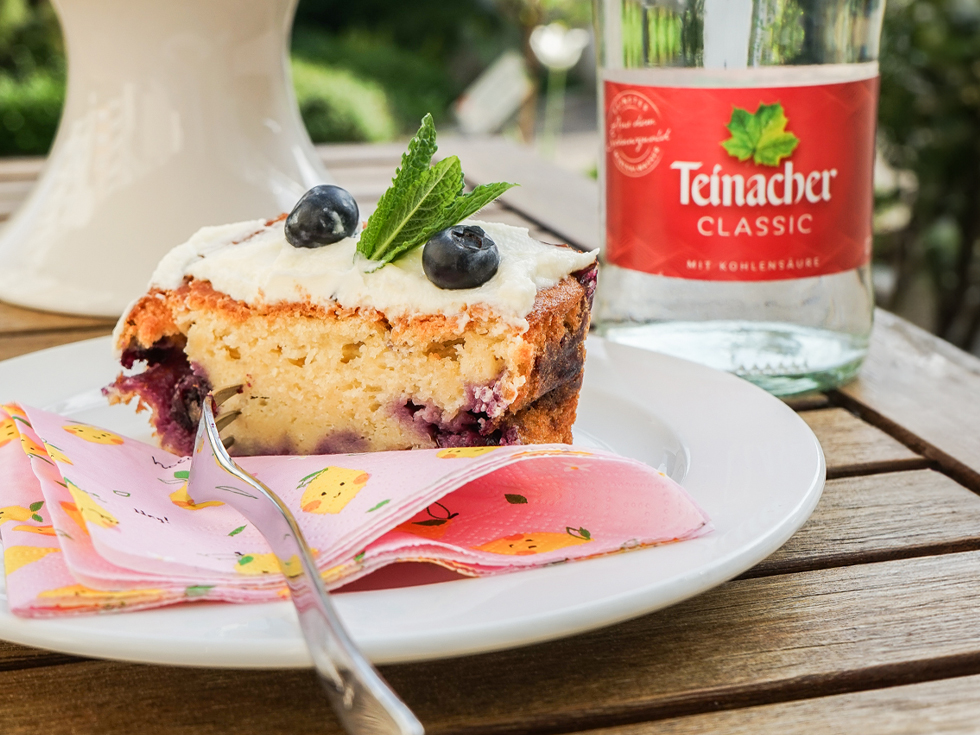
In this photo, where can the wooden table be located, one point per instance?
(867, 621)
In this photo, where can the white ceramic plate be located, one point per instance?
(746, 458)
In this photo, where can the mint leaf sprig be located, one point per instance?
(421, 201)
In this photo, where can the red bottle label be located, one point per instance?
(749, 184)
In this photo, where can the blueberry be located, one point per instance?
(463, 256)
(323, 215)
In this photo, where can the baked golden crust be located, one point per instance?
(557, 325)
(154, 316)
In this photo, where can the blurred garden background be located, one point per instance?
(368, 71)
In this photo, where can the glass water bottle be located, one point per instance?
(737, 183)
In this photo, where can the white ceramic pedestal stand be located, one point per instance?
(179, 114)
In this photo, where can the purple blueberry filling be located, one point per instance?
(589, 278)
(463, 429)
(343, 442)
(171, 386)
(486, 400)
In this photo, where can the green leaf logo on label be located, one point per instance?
(761, 135)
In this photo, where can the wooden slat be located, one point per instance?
(14, 656)
(807, 402)
(14, 320)
(357, 154)
(496, 212)
(923, 390)
(749, 642)
(881, 517)
(853, 446)
(21, 169)
(21, 345)
(376, 176)
(949, 706)
(102, 698)
(12, 195)
(564, 203)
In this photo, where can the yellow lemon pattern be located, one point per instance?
(72, 511)
(16, 557)
(331, 489)
(86, 595)
(455, 452)
(552, 453)
(14, 411)
(181, 499)
(32, 448)
(15, 513)
(254, 564)
(93, 434)
(43, 530)
(524, 544)
(89, 510)
(56, 454)
(335, 573)
(8, 431)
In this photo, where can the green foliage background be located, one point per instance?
(929, 125)
(364, 71)
(32, 76)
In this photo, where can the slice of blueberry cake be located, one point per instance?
(408, 334)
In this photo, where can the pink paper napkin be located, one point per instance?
(93, 521)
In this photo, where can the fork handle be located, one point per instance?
(362, 700)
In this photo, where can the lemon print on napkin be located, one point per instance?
(33, 449)
(8, 431)
(181, 499)
(268, 564)
(331, 489)
(540, 542)
(14, 411)
(20, 513)
(93, 434)
(71, 510)
(15, 513)
(90, 511)
(56, 454)
(83, 593)
(454, 452)
(16, 557)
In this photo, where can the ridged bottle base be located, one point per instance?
(784, 359)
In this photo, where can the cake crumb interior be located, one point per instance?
(341, 381)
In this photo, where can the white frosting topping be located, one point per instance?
(253, 263)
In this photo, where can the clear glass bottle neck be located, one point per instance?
(728, 35)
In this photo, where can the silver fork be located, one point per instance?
(362, 700)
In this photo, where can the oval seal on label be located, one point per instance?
(634, 133)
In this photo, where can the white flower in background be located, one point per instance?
(557, 47)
